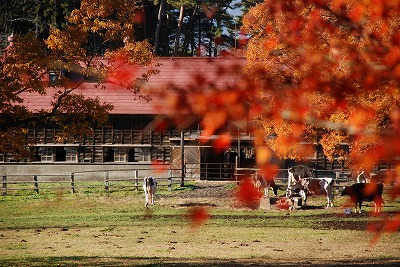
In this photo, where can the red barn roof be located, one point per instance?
(186, 73)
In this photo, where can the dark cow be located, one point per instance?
(365, 191)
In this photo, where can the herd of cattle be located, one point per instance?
(302, 182)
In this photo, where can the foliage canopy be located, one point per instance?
(73, 54)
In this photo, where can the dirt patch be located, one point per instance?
(209, 190)
(222, 194)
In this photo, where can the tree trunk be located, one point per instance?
(178, 32)
(189, 35)
(199, 41)
(158, 29)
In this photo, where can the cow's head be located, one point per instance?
(345, 191)
(149, 181)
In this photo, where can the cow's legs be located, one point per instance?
(329, 197)
(303, 195)
(147, 199)
(377, 207)
(359, 206)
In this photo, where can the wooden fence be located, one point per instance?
(74, 181)
(58, 181)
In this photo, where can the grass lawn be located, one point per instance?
(56, 228)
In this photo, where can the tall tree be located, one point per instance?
(94, 29)
(25, 16)
(210, 17)
(331, 65)
(159, 25)
(178, 31)
(337, 57)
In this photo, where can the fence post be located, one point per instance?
(36, 184)
(106, 182)
(72, 183)
(170, 182)
(236, 169)
(182, 159)
(136, 180)
(4, 187)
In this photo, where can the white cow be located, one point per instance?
(149, 188)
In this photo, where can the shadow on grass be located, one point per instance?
(169, 262)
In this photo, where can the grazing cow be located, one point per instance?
(317, 186)
(149, 187)
(295, 174)
(261, 182)
(365, 191)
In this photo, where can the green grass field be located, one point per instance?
(94, 228)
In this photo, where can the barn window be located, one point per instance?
(142, 154)
(119, 155)
(53, 77)
(46, 154)
(71, 154)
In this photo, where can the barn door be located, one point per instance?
(192, 162)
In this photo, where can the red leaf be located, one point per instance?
(159, 167)
(197, 216)
(283, 204)
(269, 171)
(139, 16)
(247, 194)
(222, 143)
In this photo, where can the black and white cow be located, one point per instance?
(150, 188)
(365, 191)
(260, 182)
(317, 186)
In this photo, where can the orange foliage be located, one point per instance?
(321, 72)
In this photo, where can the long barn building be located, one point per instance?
(131, 141)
